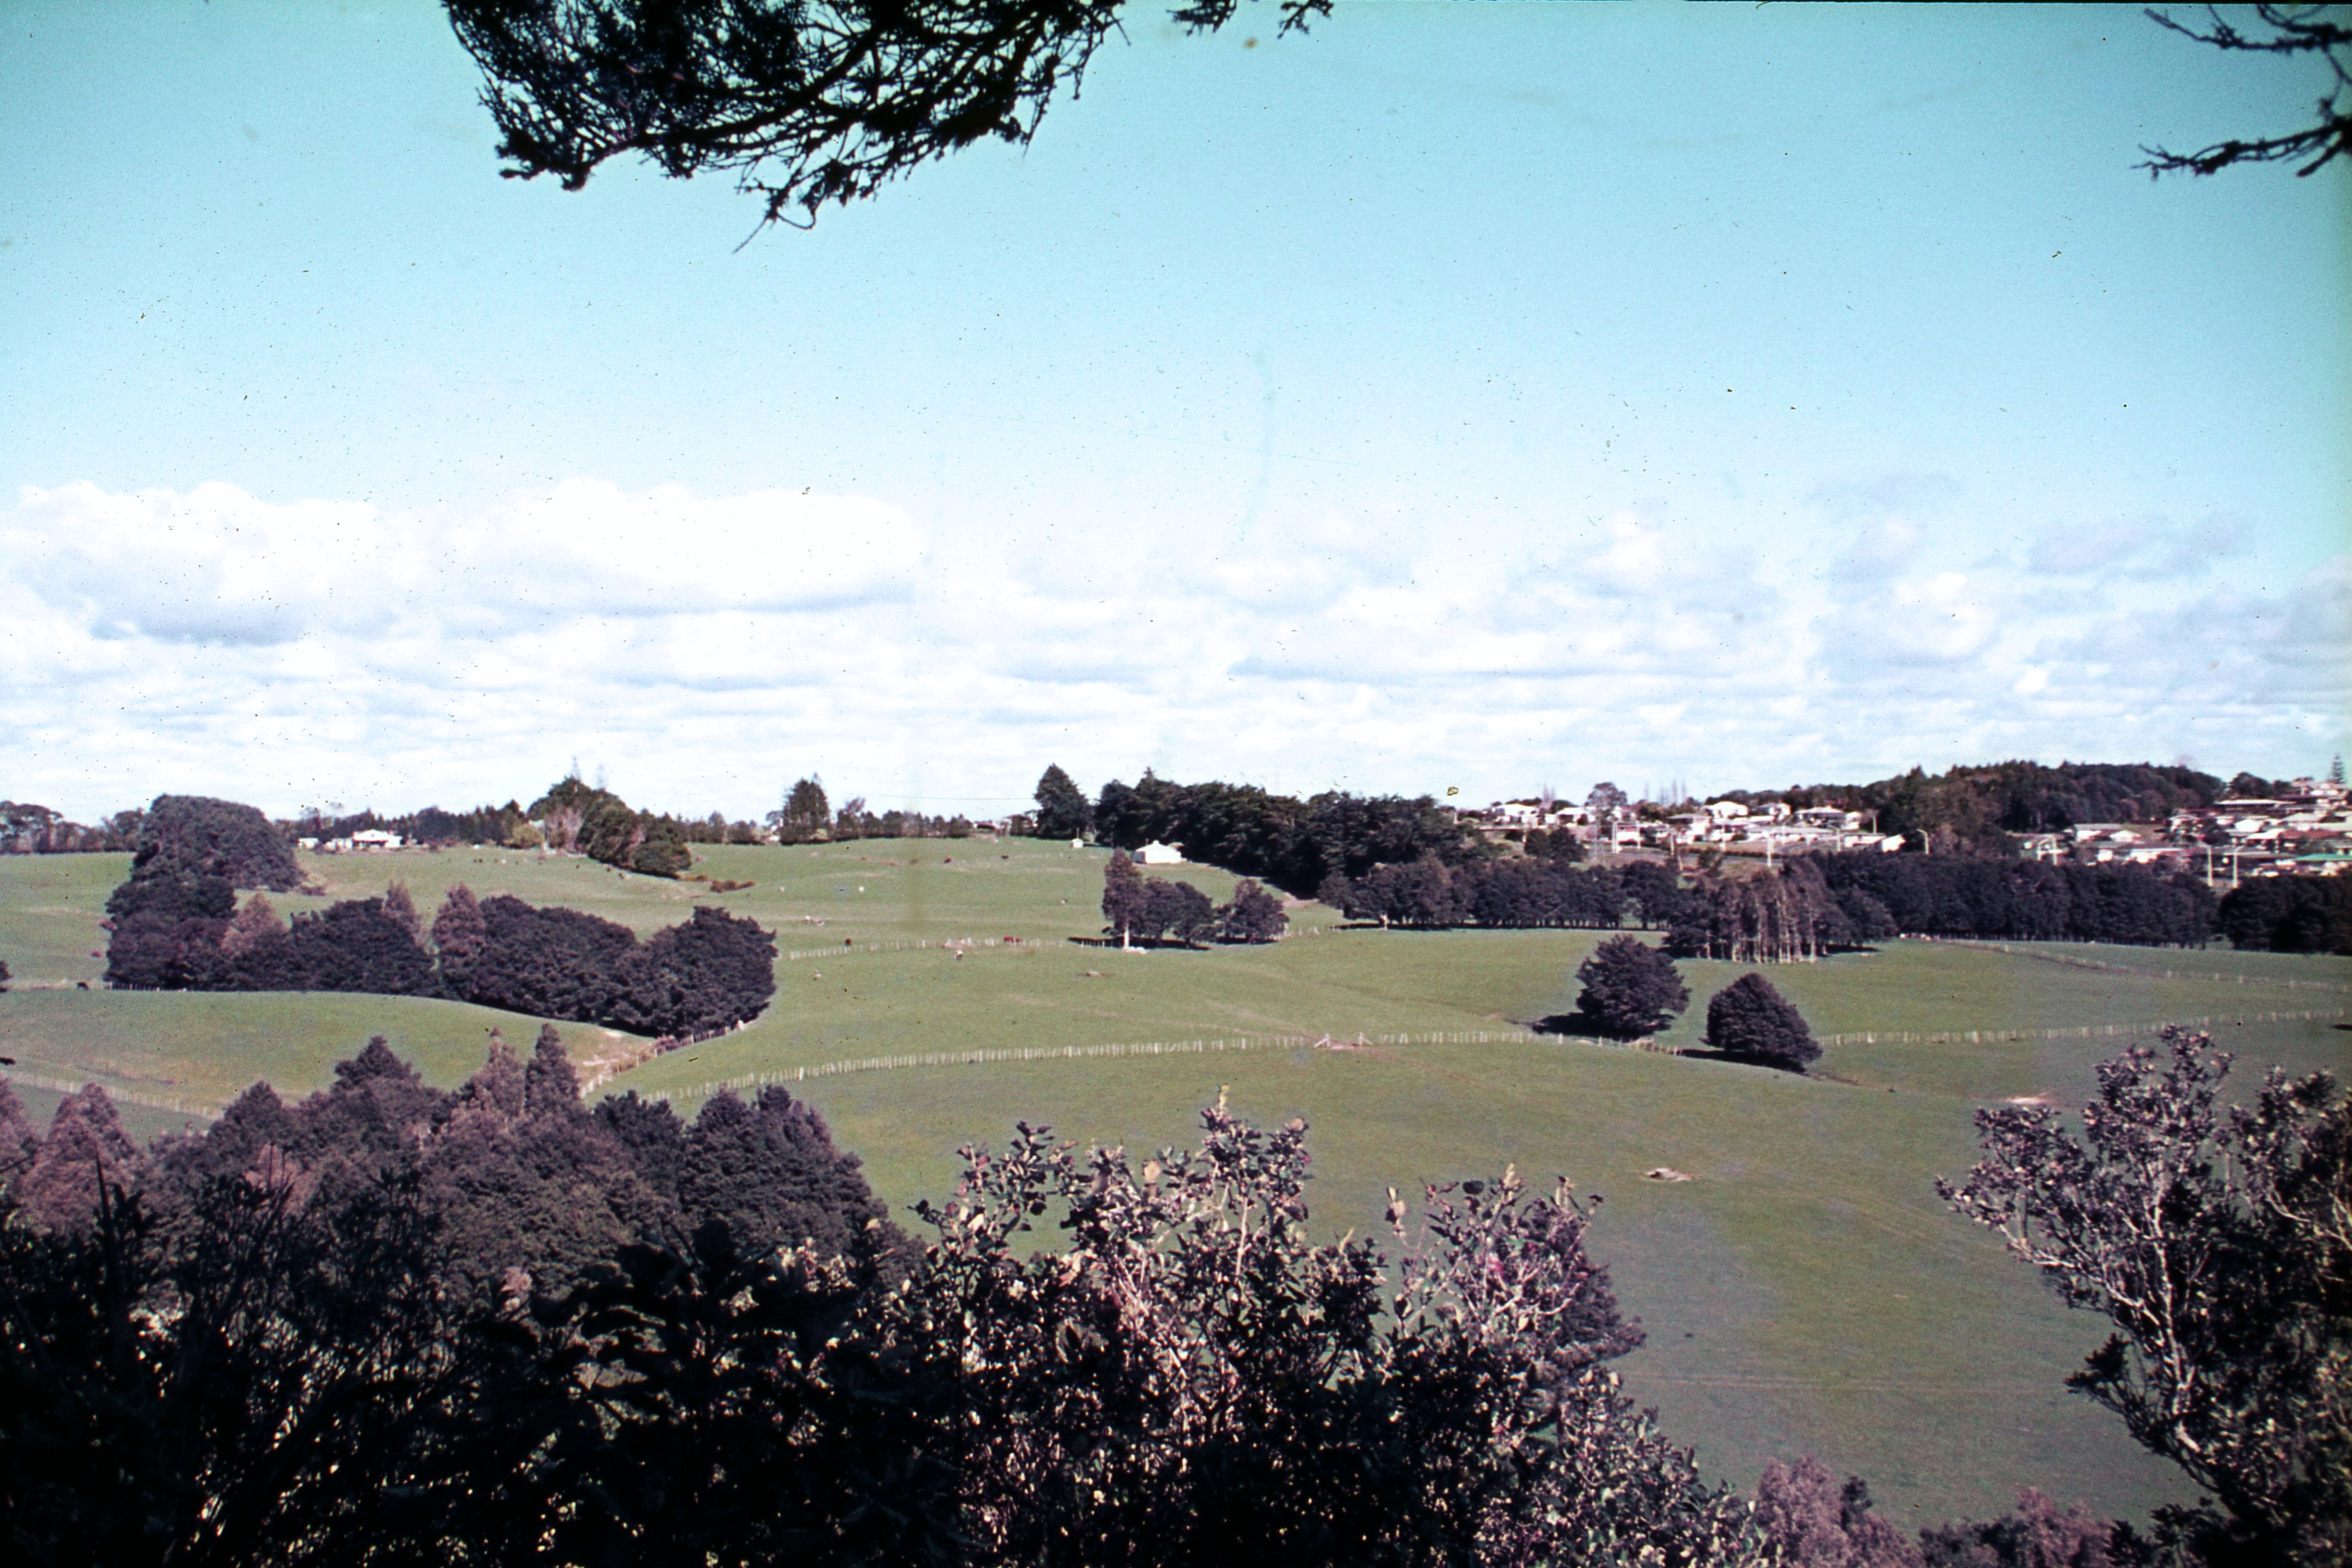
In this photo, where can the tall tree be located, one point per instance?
(805, 813)
(1063, 811)
(1749, 1018)
(1630, 988)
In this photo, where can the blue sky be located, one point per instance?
(1464, 395)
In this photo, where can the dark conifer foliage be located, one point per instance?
(2009, 899)
(805, 105)
(459, 936)
(652, 1133)
(2290, 914)
(1063, 810)
(86, 1154)
(768, 1173)
(1293, 844)
(1630, 988)
(713, 971)
(186, 835)
(1749, 1019)
(548, 962)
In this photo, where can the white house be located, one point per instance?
(1158, 854)
(375, 838)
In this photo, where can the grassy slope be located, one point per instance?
(1805, 1292)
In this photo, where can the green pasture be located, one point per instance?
(1803, 1292)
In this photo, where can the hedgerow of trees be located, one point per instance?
(711, 973)
(1156, 909)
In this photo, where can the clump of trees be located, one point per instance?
(30, 829)
(1752, 1020)
(1630, 988)
(2290, 914)
(2218, 1242)
(312, 1332)
(186, 837)
(1295, 844)
(711, 972)
(1157, 910)
(578, 818)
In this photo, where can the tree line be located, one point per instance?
(1808, 906)
(2290, 914)
(176, 926)
(1294, 844)
(388, 1323)
(1155, 910)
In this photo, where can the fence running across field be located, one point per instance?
(967, 943)
(2085, 1032)
(177, 1104)
(2068, 959)
(1077, 1053)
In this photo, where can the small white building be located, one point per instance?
(1158, 854)
(375, 838)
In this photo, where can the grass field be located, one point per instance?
(1806, 1291)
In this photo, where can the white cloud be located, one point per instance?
(706, 650)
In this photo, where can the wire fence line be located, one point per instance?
(2083, 1032)
(976, 1057)
(852, 946)
(2071, 961)
(178, 1104)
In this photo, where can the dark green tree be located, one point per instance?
(1253, 916)
(1063, 811)
(1123, 896)
(805, 815)
(1749, 1019)
(1630, 988)
(459, 936)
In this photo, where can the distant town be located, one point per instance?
(2304, 827)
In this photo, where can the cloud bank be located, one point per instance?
(703, 651)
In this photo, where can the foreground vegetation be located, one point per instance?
(1804, 1292)
(393, 1324)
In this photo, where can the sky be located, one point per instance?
(1477, 396)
